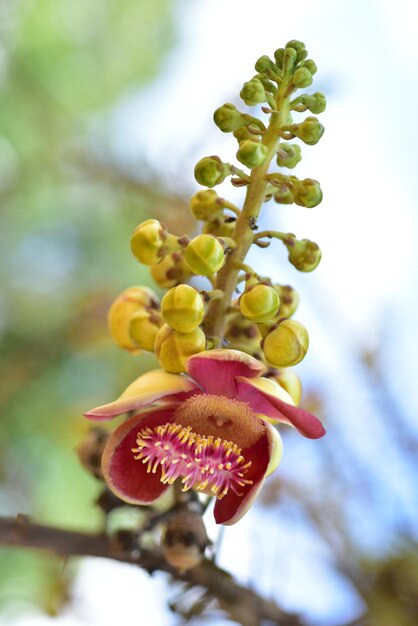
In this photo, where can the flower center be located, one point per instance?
(209, 414)
(208, 464)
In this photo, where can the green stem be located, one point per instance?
(243, 234)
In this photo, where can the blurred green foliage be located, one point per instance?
(67, 208)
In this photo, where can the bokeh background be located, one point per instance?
(104, 109)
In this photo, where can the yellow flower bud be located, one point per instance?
(171, 271)
(252, 153)
(260, 303)
(205, 205)
(183, 308)
(290, 382)
(173, 348)
(289, 300)
(143, 328)
(221, 227)
(123, 308)
(204, 255)
(147, 241)
(286, 344)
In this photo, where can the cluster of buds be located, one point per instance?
(213, 344)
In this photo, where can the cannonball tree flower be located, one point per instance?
(209, 428)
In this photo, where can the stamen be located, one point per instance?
(204, 463)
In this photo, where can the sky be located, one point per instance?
(367, 54)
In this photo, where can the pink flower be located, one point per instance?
(210, 429)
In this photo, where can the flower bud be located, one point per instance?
(278, 56)
(123, 308)
(288, 155)
(240, 330)
(148, 240)
(90, 451)
(210, 171)
(287, 344)
(252, 153)
(143, 328)
(290, 382)
(182, 308)
(205, 205)
(259, 303)
(307, 193)
(204, 255)
(316, 102)
(184, 540)
(302, 78)
(295, 44)
(289, 300)
(221, 227)
(309, 131)
(242, 134)
(304, 254)
(171, 271)
(283, 195)
(264, 63)
(289, 61)
(311, 66)
(227, 118)
(253, 92)
(173, 348)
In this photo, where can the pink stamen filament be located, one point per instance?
(204, 463)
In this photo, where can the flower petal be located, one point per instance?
(145, 390)
(125, 476)
(265, 455)
(215, 370)
(267, 398)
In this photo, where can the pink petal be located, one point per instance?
(273, 407)
(215, 370)
(232, 507)
(125, 476)
(145, 390)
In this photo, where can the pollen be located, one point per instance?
(205, 463)
(211, 414)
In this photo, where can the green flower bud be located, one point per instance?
(123, 308)
(264, 63)
(301, 56)
(289, 61)
(260, 303)
(317, 103)
(171, 271)
(227, 118)
(307, 193)
(290, 382)
(295, 44)
(143, 328)
(242, 134)
(288, 155)
(204, 255)
(289, 300)
(287, 344)
(221, 227)
(311, 66)
(148, 241)
(302, 78)
(252, 153)
(173, 349)
(305, 255)
(253, 92)
(210, 171)
(278, 56)
(283, 195)
(205, 205)
(309, 131)
(182, 308)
